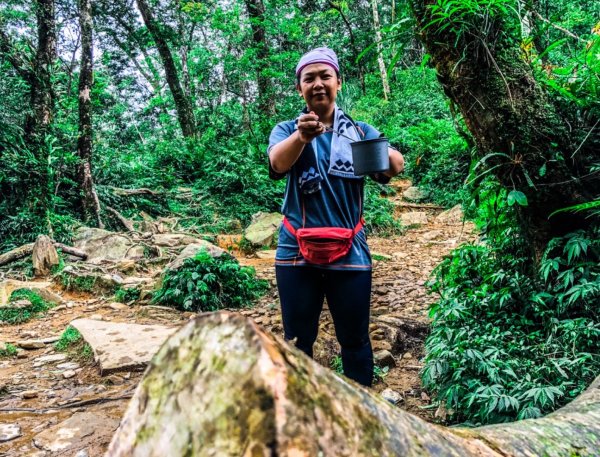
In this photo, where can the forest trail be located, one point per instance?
(39, 394)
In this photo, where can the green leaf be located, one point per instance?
(516, 196)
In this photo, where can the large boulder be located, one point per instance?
(191, 250)
(413, 218)
(173, 239)
(122, 346)
(101, 244)
(89, 278)
(262, 230)
(414, 194)
(8, 286)
(453, 216)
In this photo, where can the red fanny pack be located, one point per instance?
(323, 245)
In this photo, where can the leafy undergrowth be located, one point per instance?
(204, 283)
(18, 315)
(510, 344)
(126, 295)
(8, 351)
(74, 345)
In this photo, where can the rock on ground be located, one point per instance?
(101, 244)
(119, 346)
(191, 250)
(75, 433)
(9, 432)
(414, 193)
(452, 216)
(263, 228)
(413, 218)
(8, 286)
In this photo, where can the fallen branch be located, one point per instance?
(419, 205)
(222, 386)
(71, 250)
(130, 192)
(27, 249)
(557, 27)
(122, 219)
(16, 254)
(75, 404)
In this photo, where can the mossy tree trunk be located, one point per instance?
(221, 386)
(39, 120)
(183, 104)
(535, 145)
(256, 12)
(90, 202)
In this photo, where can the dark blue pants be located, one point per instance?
(301, 292)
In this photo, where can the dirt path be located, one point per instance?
(37, 395)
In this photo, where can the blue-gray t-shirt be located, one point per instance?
(337, 204)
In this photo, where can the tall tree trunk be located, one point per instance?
(221, 386)
(256, 12)
(39, 120)
(90, 202)
(534, 148)
(183, 104)
(361, 67)
(382, 71)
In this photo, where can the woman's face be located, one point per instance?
(318, 86)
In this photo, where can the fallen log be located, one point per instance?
(222, 386)
(16, 254)
(122, 219)
(71, 250)
(130, 192)
(27, 249)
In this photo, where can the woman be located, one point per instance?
(322, 191)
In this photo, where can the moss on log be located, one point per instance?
(223, 387)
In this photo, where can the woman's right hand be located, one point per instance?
(309, 127)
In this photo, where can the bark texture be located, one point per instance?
(221, 386)
(256, 12)
(39, 119)
(183, 104)
(90, 202)
(16, 254)
(27, 249)
(538, 148)
(44, 256)
(380, 62)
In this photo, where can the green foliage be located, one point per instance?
(593, 206)
(336, 365)
(72, 342)
(418, 121)
(234, 183)
(126, 295)
(379, 373)
(8, 351)
(19, 315)
(466, 16)
(205, 283)
(77, 283)
(68, 338)
(379, 211)
(439, 160)
(506, 344)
